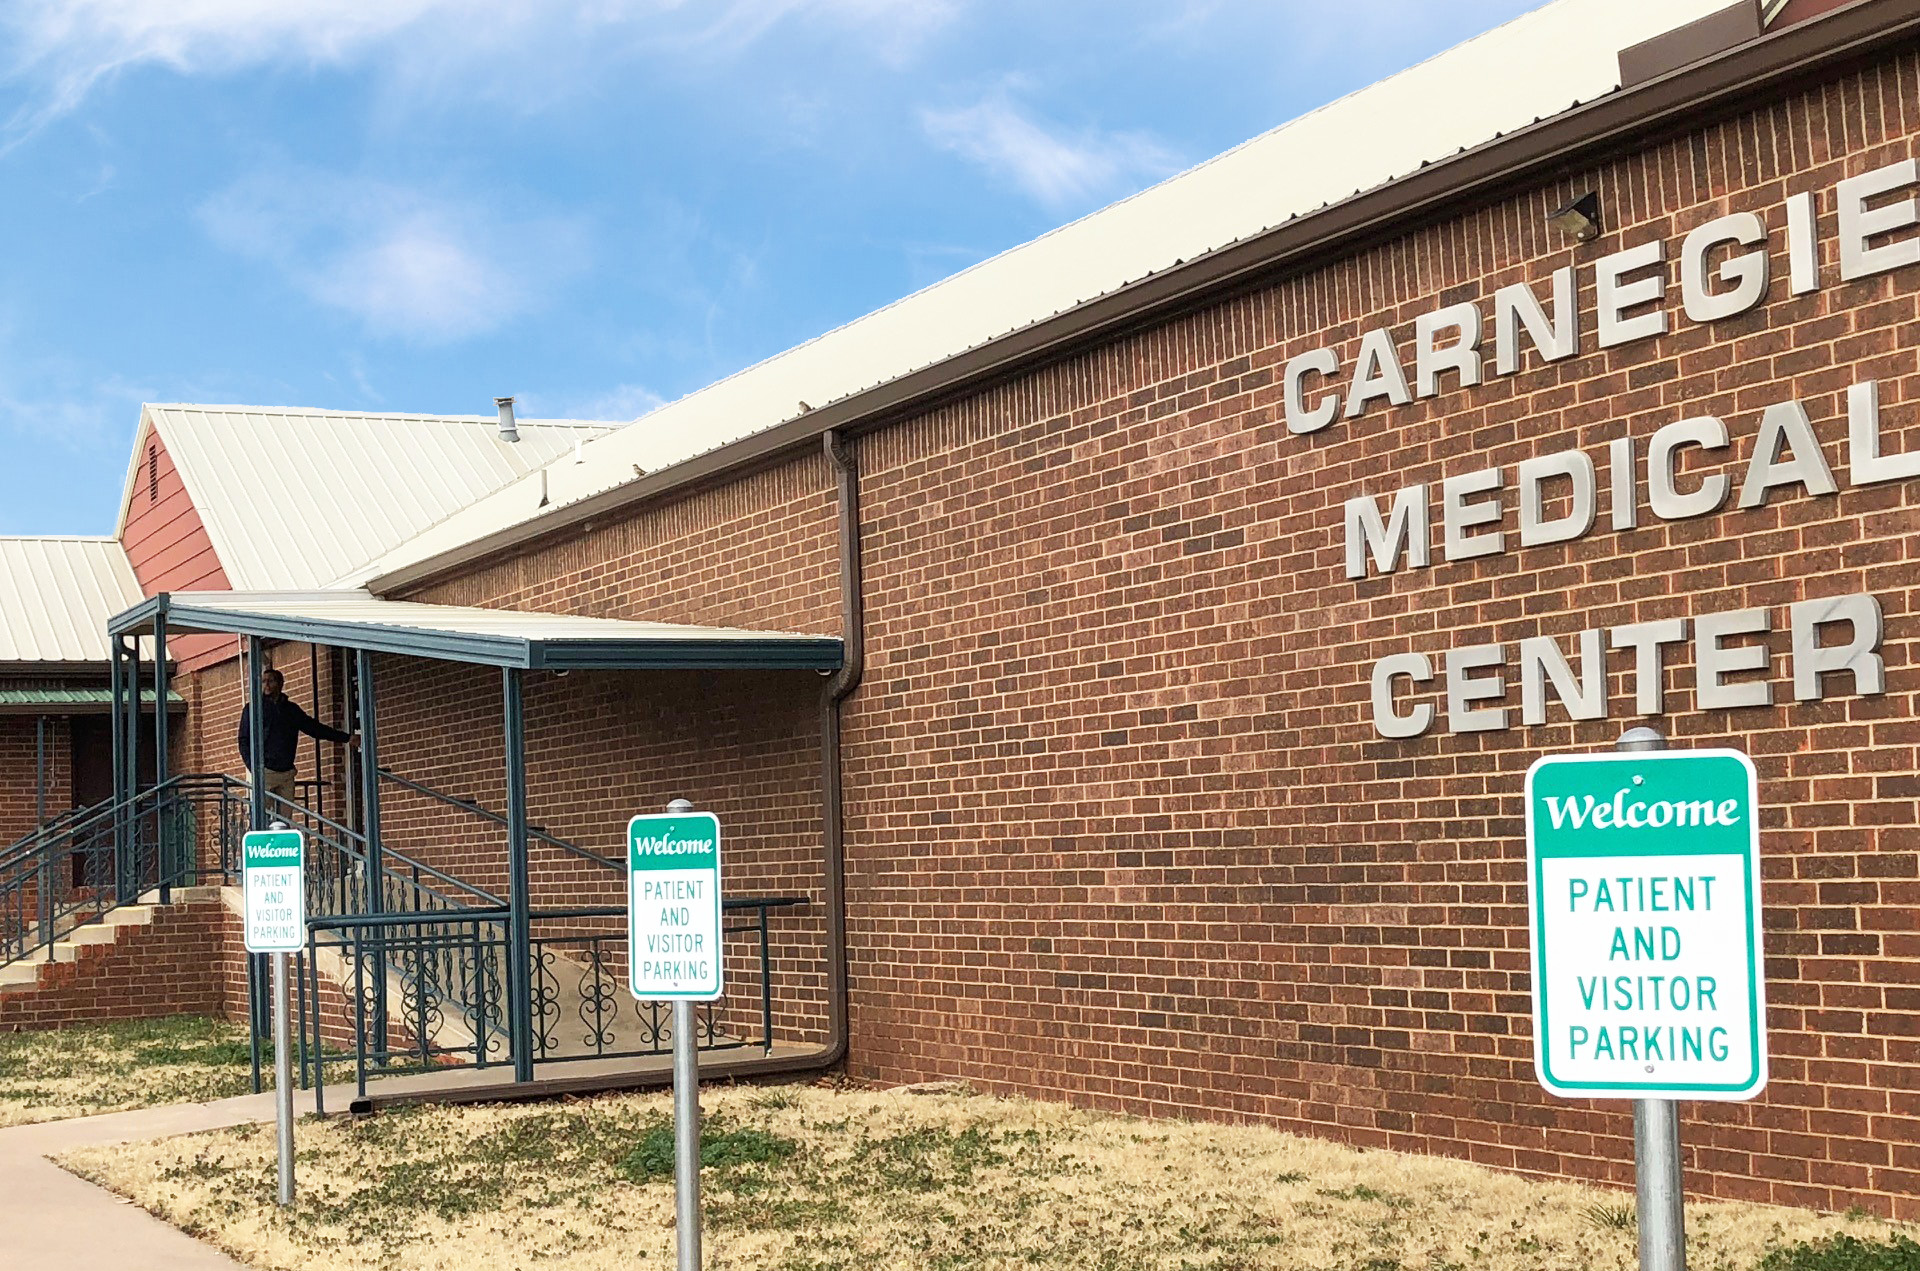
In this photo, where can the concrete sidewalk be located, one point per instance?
(49, 1218)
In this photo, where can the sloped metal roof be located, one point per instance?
(353, 619)
(56, 595)
(1541, 64)
(294, 499)
(74, 701)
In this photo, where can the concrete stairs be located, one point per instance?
(26, 974)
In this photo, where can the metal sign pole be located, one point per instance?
(686, 1138)
(1658, 1197)
(686, 1123)
(283, 1077)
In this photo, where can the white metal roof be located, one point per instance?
(58, 594)
(500, 637)
(294, 499)
(1538, 65)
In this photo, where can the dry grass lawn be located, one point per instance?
(814, 1179)
(76, 1072)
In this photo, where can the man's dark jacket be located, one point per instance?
(285, 722)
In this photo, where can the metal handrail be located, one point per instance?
(349, 836)
(533, 831)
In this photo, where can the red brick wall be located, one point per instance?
(1120, 829)
(19, 759)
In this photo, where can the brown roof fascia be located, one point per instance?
(1623, 120)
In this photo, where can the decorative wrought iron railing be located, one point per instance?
(78, 868)
(581, 1006)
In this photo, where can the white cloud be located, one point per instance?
(1056, 167)
(620, 404)
(64, 49)
(406, 263)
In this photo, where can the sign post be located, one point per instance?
(674, 954)
(1643, 882)
(273, 873)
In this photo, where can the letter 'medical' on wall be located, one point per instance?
(1462, 356)
(1667, 500)
(1458, 515)
(1405, 532)
(1465, 688)
(1388, 722)
(1744, 272)
(1649, 671)
(1531, 475)
(1516, 307)
(1785, 425)
(1858, 657)
(1716, 660)
(1302, 419)
(1617, 295)
(1865, 464)
(1542, 663)
(1860, 224)
(1377, 373)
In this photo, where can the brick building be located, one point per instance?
(1209, 573)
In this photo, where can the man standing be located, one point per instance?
(284, 721)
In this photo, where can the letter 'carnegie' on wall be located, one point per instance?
(1644, 472)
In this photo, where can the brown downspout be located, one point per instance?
(853, 625)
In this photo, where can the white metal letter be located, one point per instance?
(1859, 224)
(1617, 295)
(1532, 474)
(1299, 418)
(1669, 504)
(1406, 530)
(1457, 515)
(1649, 672)
(1858, 657)
(1386, 721)
(1463, 355)
(1542, 663)
(1716, 661)
(1464, 689)
(1515, 306)
(1745, 271)
(1803, 251)
(1785, 424)
(1377, 373)
(1865, 463)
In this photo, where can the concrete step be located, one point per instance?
(183, 895)
(129, 916)
(24, 974)
(98, 933)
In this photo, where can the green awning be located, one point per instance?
(73, 701)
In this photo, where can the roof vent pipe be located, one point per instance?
(507, 431)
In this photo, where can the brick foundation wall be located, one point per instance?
(147, 972)
(1120, 829)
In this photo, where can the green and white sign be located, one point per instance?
(273, 876)
(673, 906)
(1643, 875)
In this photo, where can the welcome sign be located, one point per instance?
(1644, 893)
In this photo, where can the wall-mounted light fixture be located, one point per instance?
(1580, 219)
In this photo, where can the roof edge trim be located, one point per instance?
(1736, 75)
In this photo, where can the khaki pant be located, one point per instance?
(280, 783)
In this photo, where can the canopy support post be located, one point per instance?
(376, 875)
(162, 864)
(519, 905)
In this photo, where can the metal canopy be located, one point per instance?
(73, 701)
(488, 637)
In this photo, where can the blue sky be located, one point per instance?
(416, 205)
